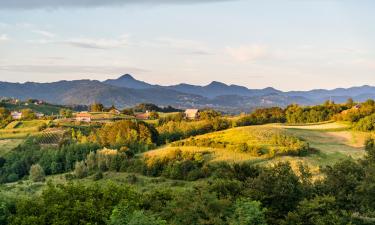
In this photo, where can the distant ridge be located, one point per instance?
(128, 91)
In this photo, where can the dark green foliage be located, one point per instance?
(320, 210)
(278, 189)
(248, 212)
(172, 131)
(296, 114)
(262, 116)
(53, 161)
(143, 107)
(342, 181)
(127, 214)
(137, 135)
(77, 204)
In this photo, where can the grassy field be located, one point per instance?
(47, 109)
(330, 142)
(22, 129)
(141, 183)
(8, 144)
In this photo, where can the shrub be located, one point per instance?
(37, 173)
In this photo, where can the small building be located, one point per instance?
(16, 115)
(39, 115)
(83, 117)
(143, 116)
(356, 107)
(191, 114)
(115, 111)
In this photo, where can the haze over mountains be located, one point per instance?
(127, 91)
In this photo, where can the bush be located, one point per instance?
(98, 176)
(37, 173)
(80, 170)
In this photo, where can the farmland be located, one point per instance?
(22, 129)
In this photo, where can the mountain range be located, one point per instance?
(127, 91)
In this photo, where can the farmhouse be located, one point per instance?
(115, 111)
(143, 116)
(16, 115)
(191, 113)
(39, 115)
(83, 117)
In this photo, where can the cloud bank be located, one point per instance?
(55, 4)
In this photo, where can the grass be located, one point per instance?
(47, 109)
(8, 144)
(331, 142)
(22, 129)
(27, 188)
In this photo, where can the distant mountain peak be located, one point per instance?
(127, 77)
(128, 81)
(216, 84)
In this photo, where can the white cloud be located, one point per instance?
(4, 37)
(248, 53)
(91, 43)
(44, 33)
(98, 43)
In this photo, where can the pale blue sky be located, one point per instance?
(290, 45)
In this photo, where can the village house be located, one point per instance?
(39, 115)
(143, 116)
(16, 115)
(83, 117)
(191, 114)
(115, 111)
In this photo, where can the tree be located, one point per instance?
(209, 114)
(67, 113)
(278, 189)
(37, 173)
(80, 169)
(129, 214)
(96, 107)
(91, 161)
(317, 211)
(248, 212)
(153, 115)
(349, 103)
(28, 114)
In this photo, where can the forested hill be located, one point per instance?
(127, 91)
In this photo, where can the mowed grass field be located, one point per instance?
(330, 142)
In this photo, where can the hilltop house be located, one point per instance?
(83, 117)
(191, 114)
(16, 115)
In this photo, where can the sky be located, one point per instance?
(286, 44)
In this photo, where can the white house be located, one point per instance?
(39, 115)
(83, 117)
(16, 115)
(191, 113)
